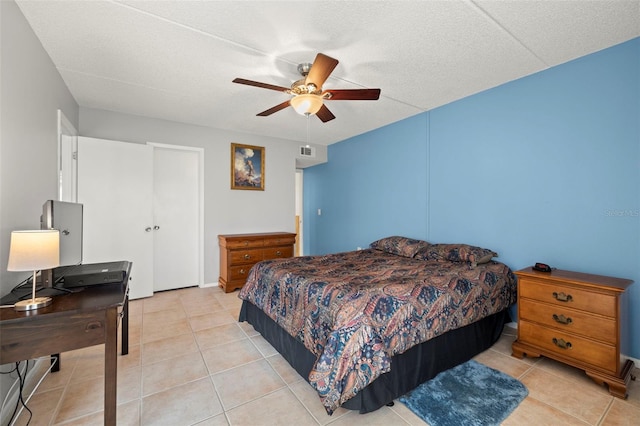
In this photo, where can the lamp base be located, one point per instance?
(31, 304)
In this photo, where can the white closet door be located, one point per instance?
(115, 185)
(176, 218)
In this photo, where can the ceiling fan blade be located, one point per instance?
(258, 84)
(353, 94)
(324, 114)
(274, 109)
(322, 66)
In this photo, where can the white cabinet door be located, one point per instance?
(115, 185)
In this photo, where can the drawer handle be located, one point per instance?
(93, 326)
(246, 243)
(278, 253)
(562, 319)
(242, 271)
(561, 343)
(247, 256)
(561, 297)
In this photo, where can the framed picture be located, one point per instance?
(247, 167)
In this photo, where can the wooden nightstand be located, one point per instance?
(239, 252)
(574, 318)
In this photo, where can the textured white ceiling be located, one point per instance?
(175, 60)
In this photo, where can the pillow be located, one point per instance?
(401, 246)
(456, 253)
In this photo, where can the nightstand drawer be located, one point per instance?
(568, 345)
(574, 318)
(568, 296)
(278, 252)
(569, 320)
(246, 256)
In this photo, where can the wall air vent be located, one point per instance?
(307, 151)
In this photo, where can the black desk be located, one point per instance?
(73, 321)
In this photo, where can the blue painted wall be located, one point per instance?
(373, 185)
(545, 168)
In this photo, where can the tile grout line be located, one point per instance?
(605, 413)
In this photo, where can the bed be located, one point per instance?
(365, 327)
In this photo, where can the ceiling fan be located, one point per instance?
(307, 94)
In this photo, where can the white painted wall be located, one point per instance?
(31, 92)
(226, 211)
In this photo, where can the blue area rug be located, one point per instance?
(469, 394)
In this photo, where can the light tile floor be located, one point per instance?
(190, 362)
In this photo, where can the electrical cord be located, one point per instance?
(18, 287)
(22, 284)
(44, 376)
(20, 382)
(51, 365)
(13, 370)
(28, 281)
(21, 400)
(8, 372)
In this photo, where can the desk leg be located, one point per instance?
(55, 363)
(111, 367)
(125, 326)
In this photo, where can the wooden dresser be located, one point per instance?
(239, 252)
(574, 318)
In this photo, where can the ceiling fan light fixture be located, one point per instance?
(306, 94)
(306, 103)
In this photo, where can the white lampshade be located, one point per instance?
(34, 250)
(306, 103)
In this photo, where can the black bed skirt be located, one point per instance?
(409, 369)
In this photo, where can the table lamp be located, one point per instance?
(33, 251)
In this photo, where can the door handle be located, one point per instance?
(147, 229)
(155, 228)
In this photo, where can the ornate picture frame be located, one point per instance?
(247, 167)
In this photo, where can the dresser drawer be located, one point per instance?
(278, 252)
(567, 296)
(239, 257)
(239, 252)
(280, 241)
(590, 352)
(244, 243)
(569, 320)
(240, 272)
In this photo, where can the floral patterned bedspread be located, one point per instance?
(355, 310)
